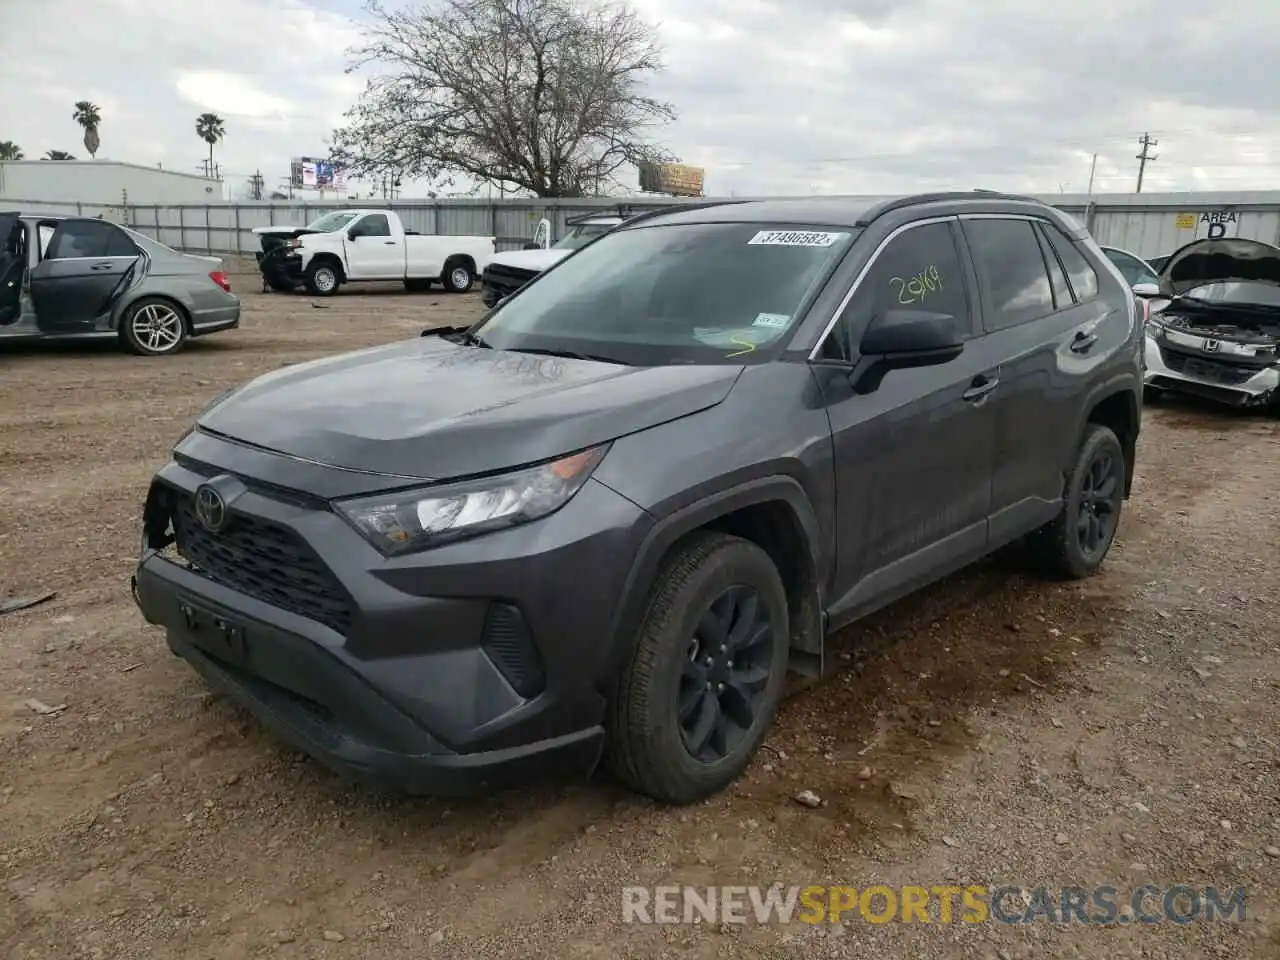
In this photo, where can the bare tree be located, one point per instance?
(543, 96)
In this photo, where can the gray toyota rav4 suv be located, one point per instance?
(604, 521)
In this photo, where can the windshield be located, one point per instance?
(674, 293)
(331, 222)
(581, 235)
(1237, 293)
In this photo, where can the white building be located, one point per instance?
(51, 186)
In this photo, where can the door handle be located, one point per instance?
(979, 388)
(1083, 341)
(389, 243)
(101, 266)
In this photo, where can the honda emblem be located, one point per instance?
(1212, 346)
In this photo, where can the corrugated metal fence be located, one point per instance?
(1149, 225)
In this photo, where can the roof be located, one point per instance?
(833, 211)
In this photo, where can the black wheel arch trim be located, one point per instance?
(1125, 384)
(670, 529)
(330, 258)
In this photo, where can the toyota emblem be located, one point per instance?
(211, 509)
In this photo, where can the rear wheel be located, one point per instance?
(153, 327)
(457, 275)
(706, 674)
(1074, 544)
(322, 278)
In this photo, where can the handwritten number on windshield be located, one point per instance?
(916, 289)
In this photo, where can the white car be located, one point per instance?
(350, 246)
(508, 272)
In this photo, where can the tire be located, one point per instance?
(649, 749)
(280, 286)
(154, 327)
(1097, 477)
(322, 278)
(1152, 395)
(457, 275)
(417, 286)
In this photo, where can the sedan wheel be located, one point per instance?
(154, 327)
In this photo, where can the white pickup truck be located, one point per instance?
(349, 246)
(508, 272)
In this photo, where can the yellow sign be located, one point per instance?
(1186, 221)
(674, 178)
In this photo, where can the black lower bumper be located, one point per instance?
(279, 270)
(309, 698)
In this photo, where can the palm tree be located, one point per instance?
(57, 155)
(88, 116)
(211, 129)
(10, 150)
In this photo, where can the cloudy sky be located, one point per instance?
(810, 96)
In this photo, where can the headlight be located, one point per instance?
(408, 520)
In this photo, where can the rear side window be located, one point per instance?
(88, 238)
(1057, 278)
(1007, 257)
(1083, 278)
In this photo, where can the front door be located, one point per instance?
(372, 253)
(13, 264)
(85, 265)
(913, 457)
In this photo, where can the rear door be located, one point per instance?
(1041, 318)
(13, 263)
(85, 266)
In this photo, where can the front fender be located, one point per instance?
(669, 530)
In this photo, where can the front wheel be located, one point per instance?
(702, 684)
(153, 327)
(457, 276)
(322, 279)
(1074, 544)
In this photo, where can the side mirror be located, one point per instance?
(901, 339)
(1146, 289)
(353, 235)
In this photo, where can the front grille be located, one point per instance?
(506, 280)
(262, 560)
(1215, 371)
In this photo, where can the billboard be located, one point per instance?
(312, 173)
(675, 179)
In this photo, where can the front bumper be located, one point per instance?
(1201, 374)
(498, 282)
(280, 268)
(453, 671)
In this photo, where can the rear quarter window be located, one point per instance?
(1080, 274)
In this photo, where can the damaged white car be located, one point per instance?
(1213, 329)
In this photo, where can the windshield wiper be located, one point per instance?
(570, 355)
(1199, 303)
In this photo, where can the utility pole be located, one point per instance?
(255, 185)
(1092, 169)
(1146, 143)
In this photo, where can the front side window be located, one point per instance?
(917, 270)
(1007, 256)
(673, 293)
(374, 225)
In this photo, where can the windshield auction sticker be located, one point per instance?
(795, 238)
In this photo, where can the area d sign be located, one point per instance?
(1217, 221)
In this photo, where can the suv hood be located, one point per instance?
(1224, 260)
(537, 260)
(433, 410)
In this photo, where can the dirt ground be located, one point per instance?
(994, 729)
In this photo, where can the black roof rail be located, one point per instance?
(679, 207)
(911, 200)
